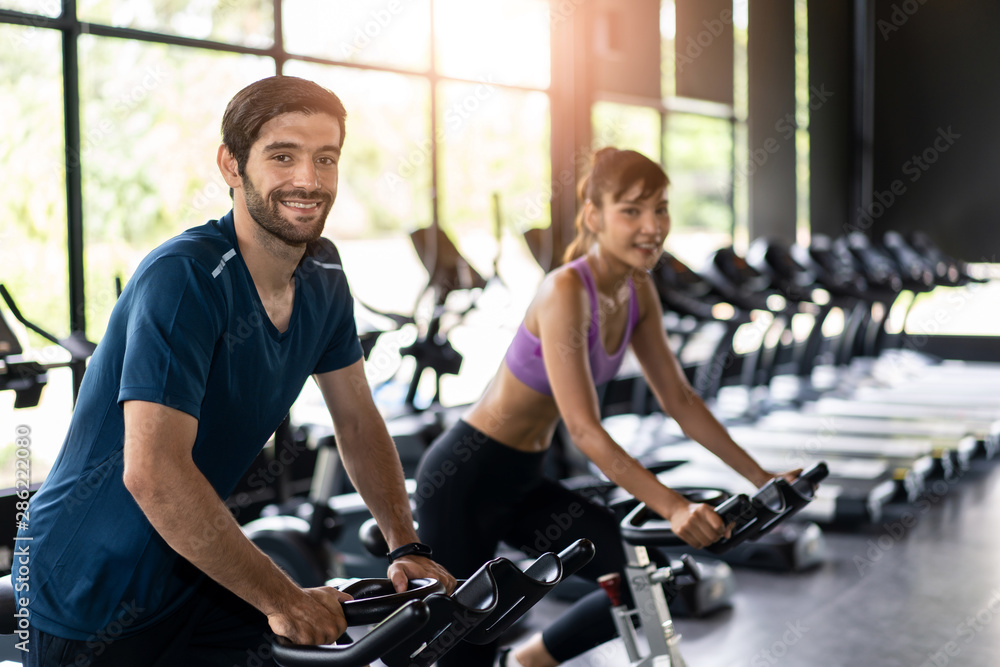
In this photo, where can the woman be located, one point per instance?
(481, 482)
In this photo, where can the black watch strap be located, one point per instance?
(415, 548)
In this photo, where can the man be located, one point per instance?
(135, 558)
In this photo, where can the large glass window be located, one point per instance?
(699, 161)
(393, 33)
(247, 22)
(707, 204)
(802, 107)
(50, 8)
(484, 130)
(495, 42)
(33, 188)
(626, 126)
(495, 183)
(150, 123)
(385, 179)
(33, 254)
(741, 105)
(668, 58)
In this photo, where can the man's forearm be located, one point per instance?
(186, 511)
(368, 453)
(372, 462)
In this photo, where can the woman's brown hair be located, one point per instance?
(613, 172)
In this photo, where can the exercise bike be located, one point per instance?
(416, 627)
(750, 517)
(27, 377)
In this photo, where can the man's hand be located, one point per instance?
(417, 567)
(315, 618)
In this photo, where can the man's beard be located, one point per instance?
(267, 214)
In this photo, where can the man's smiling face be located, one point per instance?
(290, 181)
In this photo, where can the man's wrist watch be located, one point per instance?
(413, 548)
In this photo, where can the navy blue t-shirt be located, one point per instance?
(189, 332)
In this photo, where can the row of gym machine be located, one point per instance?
(790, 346)
(329, 533)
(865, 412)
(416, 627)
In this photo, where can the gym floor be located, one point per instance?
(922, 589)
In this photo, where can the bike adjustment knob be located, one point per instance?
(612, 585)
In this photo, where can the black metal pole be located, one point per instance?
(74, 184)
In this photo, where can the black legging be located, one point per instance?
(474, 492)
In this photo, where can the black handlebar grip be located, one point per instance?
(644, 527)
(576, 555)
(375, 599)
(772, 504)
(813, 477)
(737, 509)
(749, 516)
(402, 624)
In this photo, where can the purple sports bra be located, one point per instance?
(524, 356)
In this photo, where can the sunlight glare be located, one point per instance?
(668, 19)
(505, 43)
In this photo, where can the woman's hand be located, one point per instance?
(763, 477)
(698, 524)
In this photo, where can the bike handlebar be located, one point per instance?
(399, 626)
(750, 516)
(423, 623)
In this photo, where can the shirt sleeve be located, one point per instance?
(344, 347)
(175, 320)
